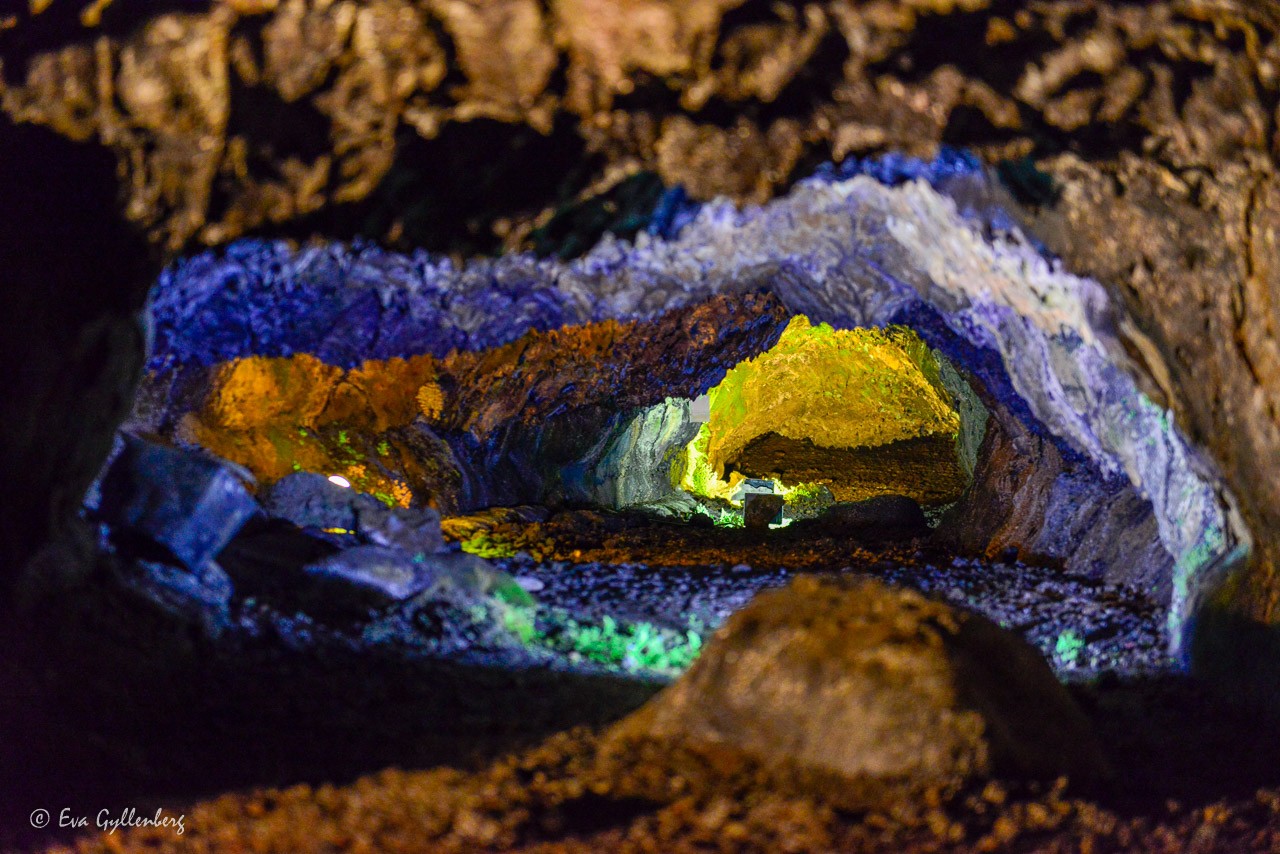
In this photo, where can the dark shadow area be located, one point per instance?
(50, 29)
(73, 275)
(1177, 738)
(108, 698)
(447, 194)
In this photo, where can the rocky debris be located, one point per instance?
(885, 517)
(414, 531)
(293, 569)
(1083, 627)
(760, 510)
(464, 605)
(360, 579)
(867, 694)
(200, 599)
(266, 551)
(311, 500)
(555, 796)
(183, 503)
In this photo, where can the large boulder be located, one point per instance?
(311, 500)
(866, 695)
(173, 503)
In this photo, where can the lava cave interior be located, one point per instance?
(531, 479)
(847, 513)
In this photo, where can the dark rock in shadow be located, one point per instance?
(311, 500)
(880, 519)
(760, 510)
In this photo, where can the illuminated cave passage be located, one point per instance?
(350, 474)
(594, 426)
(847, 414)
(887, 407)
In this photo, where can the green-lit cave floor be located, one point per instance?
(638, 568)
(620, 598)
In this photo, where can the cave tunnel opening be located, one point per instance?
(559, 478)
(647, 441)
(831, 415)
(520, 399)
(489, 475)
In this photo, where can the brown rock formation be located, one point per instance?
(924, 468)
(202, 109)
(868, 695)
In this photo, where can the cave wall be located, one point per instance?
(631, 466)
(549, 416)
(1166, 112)
(1191, 245)
(235, 116)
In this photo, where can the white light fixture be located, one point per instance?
(340, 481)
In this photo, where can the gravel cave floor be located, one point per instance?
(1194, 767)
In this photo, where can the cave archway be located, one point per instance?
(513, 381)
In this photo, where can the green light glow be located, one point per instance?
(856, 388)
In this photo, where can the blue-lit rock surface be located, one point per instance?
(185, 505)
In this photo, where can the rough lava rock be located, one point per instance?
(869, 694)
(361, 579)
(1045, 350)
(311, 500)
(295, 570)
(187, 504)
(201, 599)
